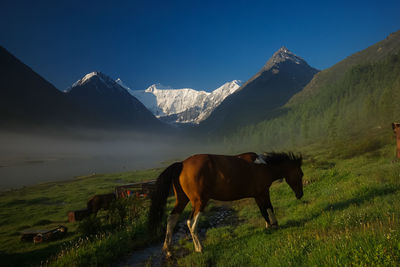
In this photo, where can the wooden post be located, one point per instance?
(78, 215)
(396, 129)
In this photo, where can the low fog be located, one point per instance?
(27, 159)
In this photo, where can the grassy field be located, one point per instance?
(46, 205)
(349, 215)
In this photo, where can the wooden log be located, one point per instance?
(39, 236)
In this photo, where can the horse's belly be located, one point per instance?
(229, 193)
(230, 198)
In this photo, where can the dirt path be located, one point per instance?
(153, 256)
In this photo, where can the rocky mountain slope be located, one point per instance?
(283, 75)
(111, 104)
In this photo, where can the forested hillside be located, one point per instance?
(363, 101)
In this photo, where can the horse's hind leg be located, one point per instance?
(180, 204)
(193, 223)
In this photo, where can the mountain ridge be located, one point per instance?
(111, 103)
(373, 53)
(357, 97)
(27, 99)
(283, 75)
(184, 105)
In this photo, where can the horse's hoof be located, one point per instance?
(168, 254)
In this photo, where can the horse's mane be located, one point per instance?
(277, 158)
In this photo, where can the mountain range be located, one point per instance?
(28, 101)
(286, 93)
(353, 102)
(182, 105)
(282, 76)
(232, 105)
(98, 101)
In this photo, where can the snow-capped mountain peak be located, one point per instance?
(186, 105)
(121, 83)
(97, 81)
(158, 86)
(152, 88)
(283, 54)
(95, 75)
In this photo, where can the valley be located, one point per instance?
(59, 148)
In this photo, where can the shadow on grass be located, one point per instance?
(363, 196)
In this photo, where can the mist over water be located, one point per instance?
(32, 159)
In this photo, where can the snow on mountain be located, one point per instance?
(120, 82)
(95, 75)
(283, 54)
(108, 104)
(98, 80)
(184, 105)
(216, 97)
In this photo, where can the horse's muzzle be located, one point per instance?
(299, 195)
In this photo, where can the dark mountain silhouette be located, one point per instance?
(28, 101)
(281, 77)
(110, 104)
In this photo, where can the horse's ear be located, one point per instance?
(393, 126)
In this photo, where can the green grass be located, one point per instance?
(46, 205)
(123, 231)
(349, 215)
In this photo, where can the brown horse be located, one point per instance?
(202, 177)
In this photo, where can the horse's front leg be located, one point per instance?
(267, 211)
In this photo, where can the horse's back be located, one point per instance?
(196, 166)
(248, 156)
(211, 162)
(216, 176)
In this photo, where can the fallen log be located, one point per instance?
(39, 236)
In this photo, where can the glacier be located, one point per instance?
(184, 105)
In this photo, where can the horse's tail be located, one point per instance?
(160, 194)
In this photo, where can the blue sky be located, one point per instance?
(196, 44)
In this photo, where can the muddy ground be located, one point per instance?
(221, 214)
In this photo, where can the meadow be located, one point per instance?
(45, 206)
(349, 215)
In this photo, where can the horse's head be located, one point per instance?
(288, 166)
(294, 177)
